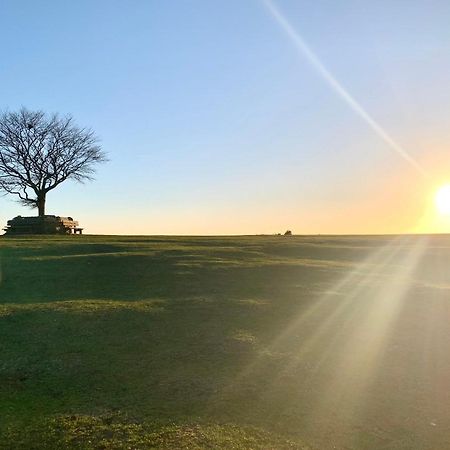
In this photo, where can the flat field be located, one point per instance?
(321, 342)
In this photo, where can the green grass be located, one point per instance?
(111, 342)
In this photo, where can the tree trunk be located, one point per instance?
(41, 205)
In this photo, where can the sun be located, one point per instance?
(442, 200)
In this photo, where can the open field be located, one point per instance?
(228, 342)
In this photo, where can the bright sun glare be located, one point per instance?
(442, 199)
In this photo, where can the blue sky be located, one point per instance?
(214, 123)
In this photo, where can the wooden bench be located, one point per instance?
(77, 230)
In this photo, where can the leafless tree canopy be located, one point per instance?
(38, 152)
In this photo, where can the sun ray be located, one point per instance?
(359, 354)
(353, 283)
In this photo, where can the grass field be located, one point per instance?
(228, 342)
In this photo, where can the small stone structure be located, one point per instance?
(42, 225)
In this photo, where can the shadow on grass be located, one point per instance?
(131, 275)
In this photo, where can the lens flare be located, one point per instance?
(338, 88)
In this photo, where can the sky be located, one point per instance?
(215, 121)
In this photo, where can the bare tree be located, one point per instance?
(38, 152)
